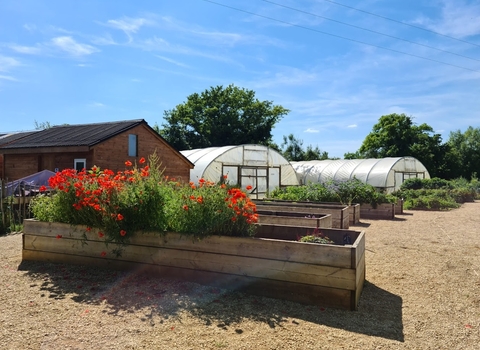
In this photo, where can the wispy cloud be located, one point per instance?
(7, 77)
(313, 131)
(8, 63)
(96, 105)
(129, 25)
(69, 45)
(30, 27)
(29, 50)
(169, 60)
(352, 126)
(459, 19)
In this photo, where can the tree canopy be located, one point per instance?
(465, 148)
(221, 116)
(292, 150)
(395, 135)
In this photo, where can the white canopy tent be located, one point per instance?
(258, 166)
(384, 173)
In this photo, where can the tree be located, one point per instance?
(292, 150)
(395, 135)
(466, 148)
(221, 116)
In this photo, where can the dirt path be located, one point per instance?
(422, 292)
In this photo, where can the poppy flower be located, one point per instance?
(128, 163)
(102, 254)
(123, 233)
(59, 236)
(249, 187)
(142, 160)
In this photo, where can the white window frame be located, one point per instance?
(79, 160)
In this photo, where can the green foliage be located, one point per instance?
(316, 238)
(210, 209)
(395, 135)
(466, 148)
(345, 192)
(438, 194)
(219, 117)
(292, 150)
(141, 199)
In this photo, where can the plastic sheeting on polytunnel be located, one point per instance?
(258, 166)
(383, 173)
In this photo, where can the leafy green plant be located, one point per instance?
(316, 237)
(345, 192)
(119, 204)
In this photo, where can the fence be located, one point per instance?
(15, 204)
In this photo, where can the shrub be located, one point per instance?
(142, 199)
(345, 192)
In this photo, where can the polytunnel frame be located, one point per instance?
(259, 166)
(389, 180)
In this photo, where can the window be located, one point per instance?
(80, 164)
(132, 145)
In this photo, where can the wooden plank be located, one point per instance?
(359, 282)
(359, 246)
(306, 294)
(263, 247)
(336, 213)
(325, 221)
(254, 267)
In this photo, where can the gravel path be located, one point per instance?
(422, 292)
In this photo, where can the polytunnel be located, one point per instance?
(258, 166)
(385, 173)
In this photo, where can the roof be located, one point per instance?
(71, 135)
(8, 138)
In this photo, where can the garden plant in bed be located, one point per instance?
(204, 232)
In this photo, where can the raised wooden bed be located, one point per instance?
(278, 267)
(384, 211)
(399, 207)
(294, 218)
(340, 213)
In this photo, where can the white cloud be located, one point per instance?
(169, 60)
(7, 63)
(69, 45)
(7, 77)
(104, 40)
(29, 50)
(310, 130)
(129, 25)
(459, 19)
(30, 27)
(96, 104)
(352, 126)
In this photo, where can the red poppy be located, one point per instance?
(42, 188)
(185, 207)
(119, 217)
(123, 233)
(100, 234)
(102, 254)
(59, 236)
(142, 160)
(128, 163)
(249, 187)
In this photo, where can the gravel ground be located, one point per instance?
(422, 292)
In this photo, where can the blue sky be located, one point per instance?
(336, 68)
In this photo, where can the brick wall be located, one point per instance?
(113, 153)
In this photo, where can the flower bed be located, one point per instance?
(272, 264)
